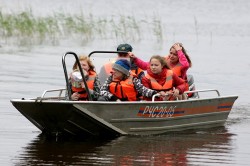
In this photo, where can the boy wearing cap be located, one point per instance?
(107, 68)
(122, 85)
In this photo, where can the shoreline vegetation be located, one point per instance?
(24, 29)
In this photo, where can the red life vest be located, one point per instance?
(124, 90)
(90, 84)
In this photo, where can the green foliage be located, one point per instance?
(26, 29)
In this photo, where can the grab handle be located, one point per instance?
(66, 75)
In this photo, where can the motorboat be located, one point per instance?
(57, 115)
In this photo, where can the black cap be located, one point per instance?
(125, 47)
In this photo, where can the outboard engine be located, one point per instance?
(191, 84)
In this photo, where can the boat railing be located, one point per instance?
(204, 90)
(195, 91)
(94, 52)
(58, 96)
(156, 95)
(81, 71)
(60, 92)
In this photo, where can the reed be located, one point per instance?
(26, 29)
(196, 29)
(157, 29)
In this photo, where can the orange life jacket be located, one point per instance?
(138, 71)
(90, 84)
(168, 85)
(108, 69)
(177, 70)
(124, 90)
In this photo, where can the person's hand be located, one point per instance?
(167, 96)
(176, 92)
(131, 55)
(162, 94)
(75, 96)
(82, 85)
(85, 72)
(177, 46)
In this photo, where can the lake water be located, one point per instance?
(215, 33)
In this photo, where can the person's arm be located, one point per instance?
(179, 83)
(182, 59)
(142, 90)
(96, 89)
(104, 91)
(141, 75)
(146, 82)
(140, 63)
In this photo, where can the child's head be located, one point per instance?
(124, 47)
(173, 52)
(157, 63)
(122, 65)
(85, 62)
(121, 69)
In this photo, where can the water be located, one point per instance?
(217, 37)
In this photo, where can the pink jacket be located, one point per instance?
(182, 59)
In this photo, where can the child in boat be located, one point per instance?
(160, 78)
(77, 86)
(123, 85)
(107, 68)
(177, 60)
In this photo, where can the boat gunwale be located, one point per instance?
(28, 100)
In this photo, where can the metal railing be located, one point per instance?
(82, 74)
(53, 90)
(195, 91)
(204, 90)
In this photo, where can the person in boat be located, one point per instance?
(160, 77)
(178, 60)
(122, 85)
(77, 86)
(107, 68)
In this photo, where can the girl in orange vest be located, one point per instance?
(160, 78)
(92, 80)
(122, 85)
(178, 60)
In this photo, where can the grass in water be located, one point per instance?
(26, 29)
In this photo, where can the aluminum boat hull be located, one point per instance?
(124, 118)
